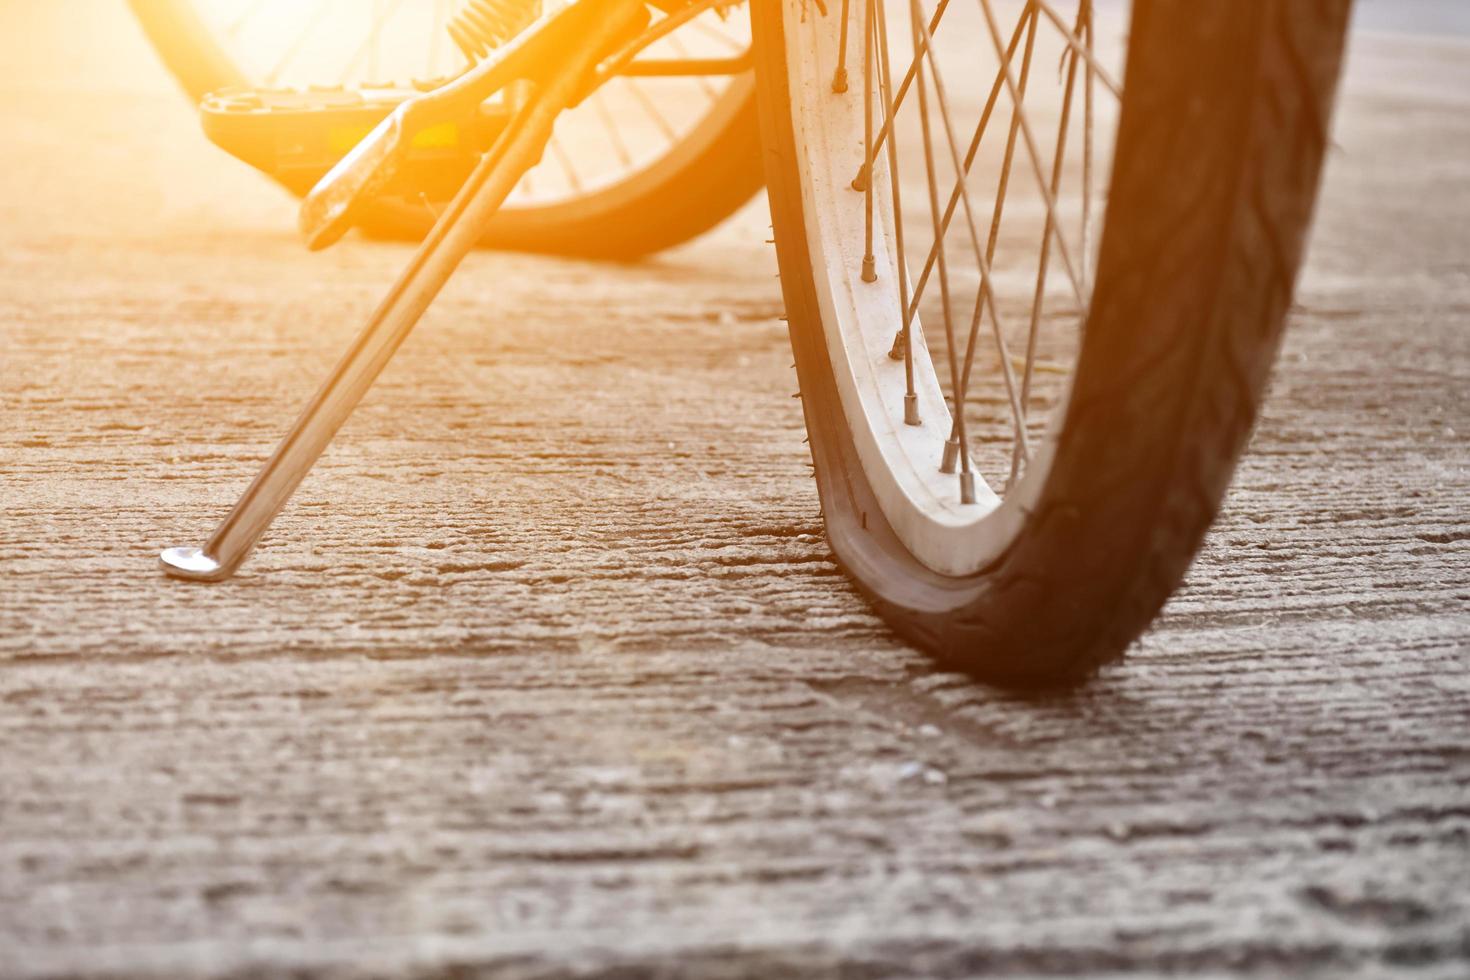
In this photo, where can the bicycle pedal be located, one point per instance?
(295, 136)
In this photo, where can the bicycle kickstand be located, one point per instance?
(556, 62)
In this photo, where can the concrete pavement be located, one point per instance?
(547, 669)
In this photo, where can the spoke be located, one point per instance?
(315, 17)
(652, 110)
(839, 76)
(599, 105)
(734, 44)
(1034, 154)
(956, 447)
(375, 47)
(1080, 48)
(905, 336)
(974, 148)
(682, 51)
(986, 297)
(719, 27)
(234, 27)
(869, 273)
(371, 45)
(436, 35)
(1038, 299)
(860, 181)
(1003, 191)
(565, 161)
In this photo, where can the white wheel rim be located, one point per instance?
(900, 461)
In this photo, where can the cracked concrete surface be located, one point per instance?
(547, 671)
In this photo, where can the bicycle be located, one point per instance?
(234, 59)
(1020, 491)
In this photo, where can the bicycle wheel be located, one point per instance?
(644, 164)
(1020, 491)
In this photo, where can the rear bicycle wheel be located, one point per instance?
(644, 164)
(1021, 489)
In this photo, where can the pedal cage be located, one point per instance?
(296, 136)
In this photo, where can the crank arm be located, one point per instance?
(536, 53)
(457, 231)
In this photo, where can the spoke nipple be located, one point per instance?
(951, 456)
(899, 349)
(967, 488)
(911, 410)
(839, 80)
(860, 182)
(870, 274)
